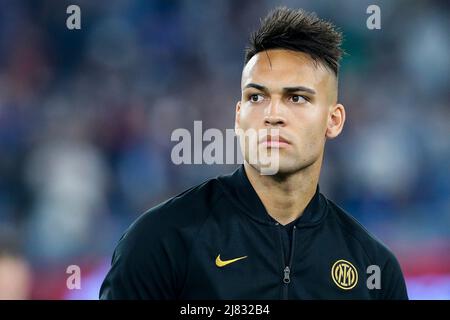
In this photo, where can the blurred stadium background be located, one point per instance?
(86, 118)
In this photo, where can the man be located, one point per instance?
(15, 272)
(249, 235)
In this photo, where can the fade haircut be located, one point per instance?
(301, 31)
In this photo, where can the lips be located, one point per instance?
(275, 141)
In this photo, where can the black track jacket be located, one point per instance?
(217, 241)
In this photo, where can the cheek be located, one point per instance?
(318, 124)
(311, 127)
(321, 117)
(249, 117)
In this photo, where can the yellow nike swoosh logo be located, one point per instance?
(221, 263)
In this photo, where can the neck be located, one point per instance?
(285, 197)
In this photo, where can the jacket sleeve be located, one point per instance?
(393, 283)
(141, 268)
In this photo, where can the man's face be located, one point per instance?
(285, 90)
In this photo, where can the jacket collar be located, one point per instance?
(239, 189)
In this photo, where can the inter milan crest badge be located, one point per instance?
(344, 274)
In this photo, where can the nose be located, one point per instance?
(273, 115)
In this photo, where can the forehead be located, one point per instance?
(278, 68)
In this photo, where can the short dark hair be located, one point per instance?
(298, 30)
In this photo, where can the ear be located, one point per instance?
(237, 118)
(336, 119)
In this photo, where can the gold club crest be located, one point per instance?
(344, 274)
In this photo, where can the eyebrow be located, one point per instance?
(285, 89)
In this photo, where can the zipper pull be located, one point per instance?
(287, 271)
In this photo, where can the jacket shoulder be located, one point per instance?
(393, 284)
(373, 247)
(186, 210)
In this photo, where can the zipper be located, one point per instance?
(288, 267)
(286, 278)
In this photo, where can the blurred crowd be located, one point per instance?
(86, 118)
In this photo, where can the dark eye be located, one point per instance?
(298, 99)
(256, 98)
